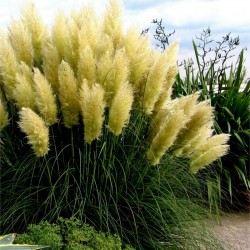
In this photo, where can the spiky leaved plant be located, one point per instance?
(95, 105)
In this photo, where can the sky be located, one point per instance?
(187, 17)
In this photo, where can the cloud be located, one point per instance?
(141, 5)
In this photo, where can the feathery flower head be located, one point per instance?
(24, 93)
(68, 95)
(59, 33)
(166, 137)
(44, 98)
(8, 65)
(155, 82)
(92, 107)
(21, 42)
(119, 110)
(138, 52)
(112, 24)
(36, 28)
(86, 68)
(208, 157)
(35, 129)
(51, 61)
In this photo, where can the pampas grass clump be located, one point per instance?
(93, 103)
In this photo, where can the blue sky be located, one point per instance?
(187, 17)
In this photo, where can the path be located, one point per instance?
(234, 230)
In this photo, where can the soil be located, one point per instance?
(234, 230)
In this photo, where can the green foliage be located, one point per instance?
(70, 234)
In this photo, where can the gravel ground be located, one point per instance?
(234, 230)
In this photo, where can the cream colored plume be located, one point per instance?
(21, 42)
(51, 61)
(155, 82)
(71, 50)
(36, 28)
(171, 53)
(200, 119)
(44, 98)
(24, 93)
(90, 33)
(117, 76)
(104, 72)
(119, 111)
(86, 68)
(201, 136)
(68, 95)
(167, 135)
(214, 141)
(8, 65)
(112, 24)
(165, 95)
(35, 129)
(92, 107)
(60, 33)
(186, 103)
(138, 51)
(208, 152)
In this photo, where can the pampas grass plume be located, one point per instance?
(8, 65)
(68, 95)
(112, 24)
(137, 50)
(24, 93)
(165, 138)
(44, 98)
(59, 33)
(201, 117)
(208, 157)
(120, 108)
(51, 61)
(92, 107)
(35, 129)
(86, 68)
(21, 42)
(36, 28)
(155, 82)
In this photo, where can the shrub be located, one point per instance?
(69, 234)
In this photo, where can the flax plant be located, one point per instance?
(89, 113)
